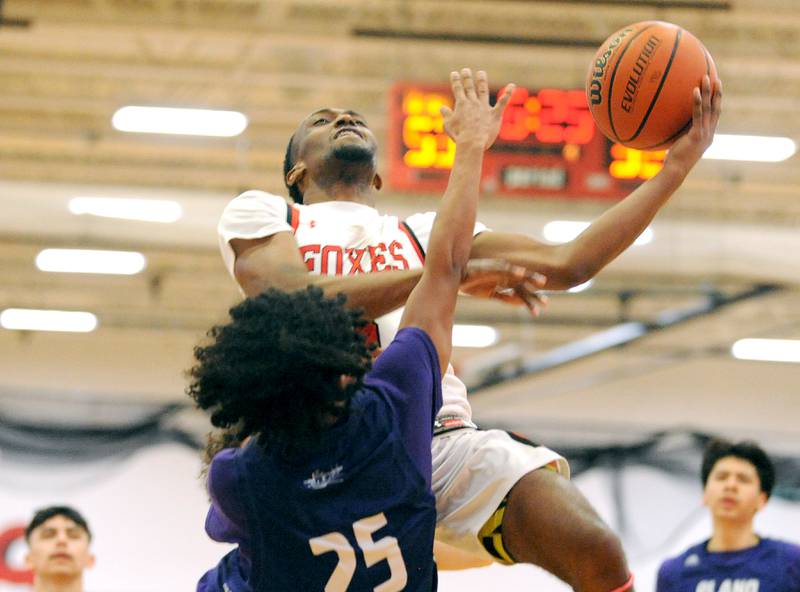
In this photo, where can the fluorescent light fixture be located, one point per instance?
(563, 231)
(474, 336)
(754, 148)
(91, 261)
(146, 210)
(581, 287)
(767, 350)
(172, 120)
(28, 319)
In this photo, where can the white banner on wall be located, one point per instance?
(146, 512)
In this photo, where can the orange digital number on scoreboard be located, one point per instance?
(548, 145)
(426, 143)
(553, 116)
(629, 163)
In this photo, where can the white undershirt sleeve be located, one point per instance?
(253, 214)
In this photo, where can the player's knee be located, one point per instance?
(602, 558)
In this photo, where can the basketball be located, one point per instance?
(640, 81)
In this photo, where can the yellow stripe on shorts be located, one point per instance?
(491, 533)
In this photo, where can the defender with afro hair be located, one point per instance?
(275, 371)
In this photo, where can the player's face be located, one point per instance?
(733, 490)
(59, 547)
(338, 132)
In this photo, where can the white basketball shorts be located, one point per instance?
(473, 471)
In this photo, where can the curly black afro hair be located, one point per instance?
(274, 371)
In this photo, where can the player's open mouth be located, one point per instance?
(346, 130)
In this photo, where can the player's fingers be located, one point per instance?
(537, 279)
(697, 110)
(530, 299)
(468, 82)
(716, 102)
(457, 86)
(445, 111)
(505, 97)
(541, 299)
(706, 103)
(482, 84)
(534, 294)
(517, 273)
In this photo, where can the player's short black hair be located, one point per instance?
(746, 450)
(274, 371)
(288, 163)
(43, 515)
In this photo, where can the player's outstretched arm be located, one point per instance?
(275, 262)
(575, 262)
(431, 304)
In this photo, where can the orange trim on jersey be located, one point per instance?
(414, 241)
(292, 217)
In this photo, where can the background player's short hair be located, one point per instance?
(746, 450)
(288, 163)
(43, 515)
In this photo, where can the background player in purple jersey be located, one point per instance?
(332, 489)
(738, 480)
(507, 510)
(58, 540)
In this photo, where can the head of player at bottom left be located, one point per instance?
(59, 543)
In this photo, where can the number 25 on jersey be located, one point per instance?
(385, 549)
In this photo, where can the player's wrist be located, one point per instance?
(473, 146)
(677, 168)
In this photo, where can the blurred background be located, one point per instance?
(628, 376)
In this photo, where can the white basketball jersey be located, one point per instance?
(342, 238)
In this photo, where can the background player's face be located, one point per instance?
(338, 133)
(59, 547)
(733, 490)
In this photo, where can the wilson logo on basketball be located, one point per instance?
(596, 86)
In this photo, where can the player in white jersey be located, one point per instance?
(493, 502)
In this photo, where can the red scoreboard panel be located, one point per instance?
(548, 145)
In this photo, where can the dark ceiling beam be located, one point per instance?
(687, 4)
(410, 35)
(618, 335)
(12, 22)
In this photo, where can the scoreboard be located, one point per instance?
(548, 145)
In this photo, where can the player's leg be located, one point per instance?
(496, 497)
(450, 558)
(549, 523)
(473, 472)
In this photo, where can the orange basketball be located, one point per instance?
(640, 82)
